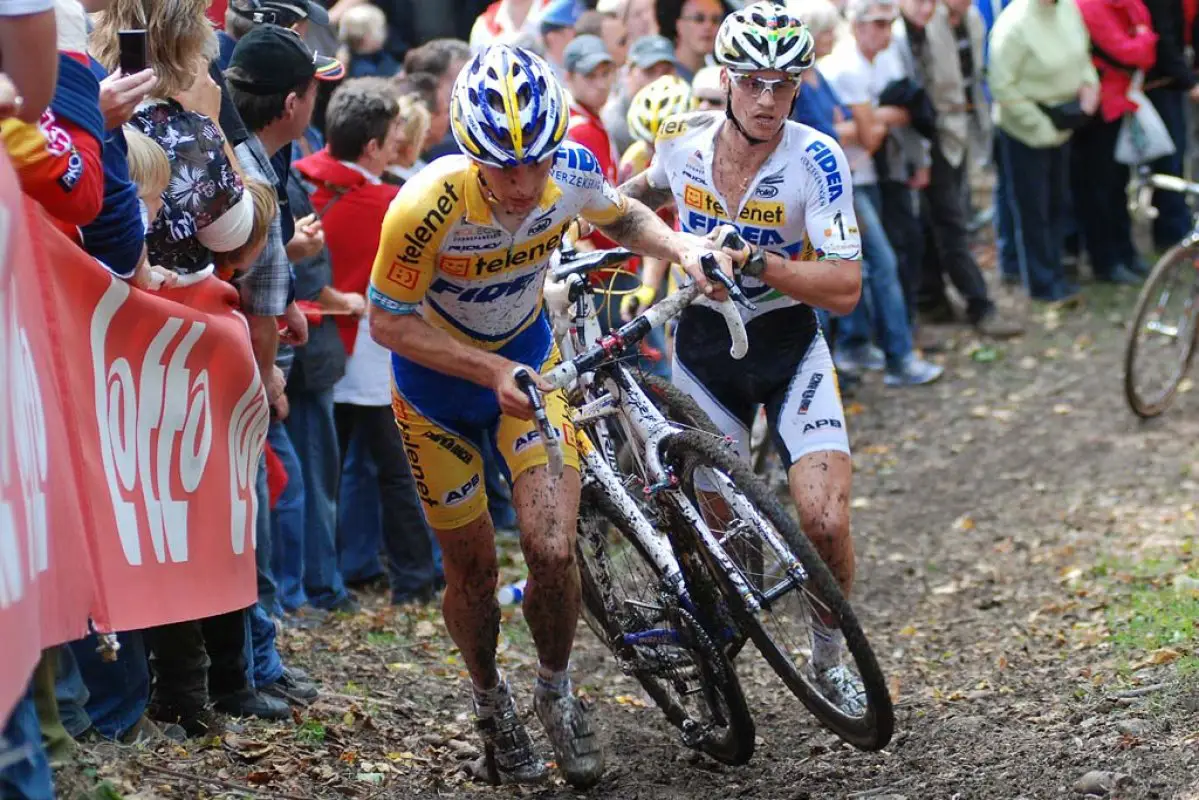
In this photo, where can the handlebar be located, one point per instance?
(549, 434)
(1140, 191)
(616, 342)
(574, 262)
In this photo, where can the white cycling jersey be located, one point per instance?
(800, 204)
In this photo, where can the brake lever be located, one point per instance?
(549, 434)
(713, 272)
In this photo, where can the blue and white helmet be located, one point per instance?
(508, 108)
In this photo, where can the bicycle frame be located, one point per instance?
(619, 396)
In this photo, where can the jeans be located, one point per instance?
(24, 768)
(407, 538)
(263, 664)
(946, 217)
(288, 527)
(900, 212)
(71, 693)
(197, 661)
(360, 514)
(1174, 215)
(1005, 229)
(360, 522)
(313, 434)
(1100, 198)
(117, 692)
(1036, 180)
(881, 310)
(268, 594)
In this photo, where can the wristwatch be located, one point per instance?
(756, 265)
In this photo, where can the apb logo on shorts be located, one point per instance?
(805, 399)
(463, 493)
(523, 441)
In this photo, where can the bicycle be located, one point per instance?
(1165, 310)
(759, 575)
(635, 599)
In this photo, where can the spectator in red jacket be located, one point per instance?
(589, 73)
(364, 133)
(1122, 42)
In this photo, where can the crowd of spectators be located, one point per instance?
(251, 154)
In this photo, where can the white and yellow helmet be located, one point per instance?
(665, 97)
(508, 108)
(765, 36)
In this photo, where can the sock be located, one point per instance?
(488, 701)
(554, 681)
(827, 645)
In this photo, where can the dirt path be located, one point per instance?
(1020, 537)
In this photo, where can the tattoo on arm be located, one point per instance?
(638, 188)
(632, 224)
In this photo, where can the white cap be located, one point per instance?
(871, 10)
(610, 7)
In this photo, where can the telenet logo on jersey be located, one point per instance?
(755, 212)
(418, 236)
(494, 262)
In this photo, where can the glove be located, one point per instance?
(632, 304)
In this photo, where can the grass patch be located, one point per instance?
(1152, 607)
(381, 638)
(311, 732)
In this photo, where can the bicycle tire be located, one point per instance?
(1175, 257)
(735, 745)
(685, 450)
(676, 405)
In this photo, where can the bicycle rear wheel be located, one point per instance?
(655, 640)
(784, 574)
(1163, 332)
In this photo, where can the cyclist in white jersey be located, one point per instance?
(786, 189)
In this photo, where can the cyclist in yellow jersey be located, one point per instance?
(456, 296)
(654, 103)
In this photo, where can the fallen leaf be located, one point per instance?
(1164, 655)
(261, 776)
(964, 523)
(909, 630)
(629, 700)
(425, 629)
(1063, 408)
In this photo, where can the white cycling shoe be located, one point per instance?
(568, 727)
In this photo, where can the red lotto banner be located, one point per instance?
(131, 427)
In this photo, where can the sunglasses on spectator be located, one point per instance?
(756, 86)
(700, 18)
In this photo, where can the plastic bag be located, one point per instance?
(1143, 137)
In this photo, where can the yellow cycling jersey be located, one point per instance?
(443, 255)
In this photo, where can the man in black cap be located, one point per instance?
(242, 15)
(272, 79)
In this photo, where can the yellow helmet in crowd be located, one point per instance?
(665, 97)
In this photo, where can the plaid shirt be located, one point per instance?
(266, 288)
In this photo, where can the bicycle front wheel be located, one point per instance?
(1161, 340)
(655, 640)
(760, 544)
